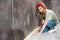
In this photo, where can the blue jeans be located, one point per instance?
(50, 25)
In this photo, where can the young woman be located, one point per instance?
(49, 19)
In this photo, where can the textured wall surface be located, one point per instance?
(24, 15)
(5, 20)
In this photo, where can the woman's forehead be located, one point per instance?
(40, 7)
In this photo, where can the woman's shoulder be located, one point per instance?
(50, 11)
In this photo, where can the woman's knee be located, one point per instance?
(51, 24)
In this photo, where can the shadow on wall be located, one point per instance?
(11, 35)
(18, 35)
(6, 34)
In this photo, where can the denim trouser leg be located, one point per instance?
(45, 29)
(50, 25)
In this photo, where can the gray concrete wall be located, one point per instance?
(18, 19)
(5, 20)
(24, 15)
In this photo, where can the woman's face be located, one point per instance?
(40, 9)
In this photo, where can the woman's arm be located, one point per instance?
(43, 26)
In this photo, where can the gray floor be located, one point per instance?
(46, 36)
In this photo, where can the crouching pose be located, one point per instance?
(49, 18)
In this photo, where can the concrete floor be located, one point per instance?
(45, 36)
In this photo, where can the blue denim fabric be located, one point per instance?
(50, 25)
